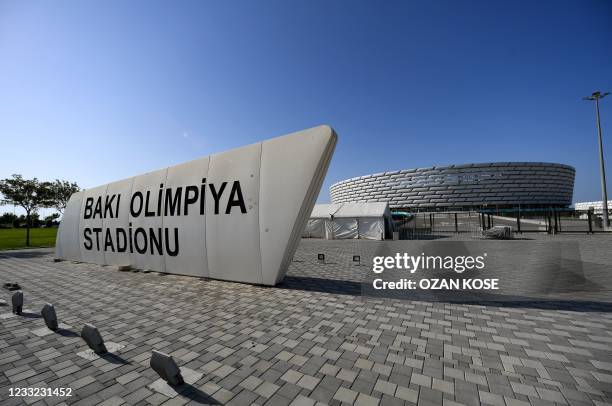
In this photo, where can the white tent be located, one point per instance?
(321, 214)
(349, 220)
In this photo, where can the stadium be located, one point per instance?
(499, 185)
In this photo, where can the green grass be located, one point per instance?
(13, 238)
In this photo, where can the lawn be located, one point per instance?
(12, 238)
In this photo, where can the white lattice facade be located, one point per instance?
(501, 184)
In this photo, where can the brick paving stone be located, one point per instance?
(345, 395)
(311, 340)
(347, 375)
(420, 380)
(407, 394)
(488, 398)
(322, 394)
(292, 376)
(266, 389)
(366, 400)
(308, 382)
(113, 401)
(251, 383)
(386, 387)
(302, 400)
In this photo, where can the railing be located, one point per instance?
(425, 225)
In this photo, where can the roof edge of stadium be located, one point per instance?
(459, 166)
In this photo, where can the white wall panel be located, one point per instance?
(93, 246)
(68, 236)
(191, 227)
(232, 240)
(287, 196)
(148, 185)
(115, 220)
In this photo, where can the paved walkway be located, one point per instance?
(311, 340)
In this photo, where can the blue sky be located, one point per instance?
(98, 91)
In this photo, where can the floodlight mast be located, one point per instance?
(604, 194)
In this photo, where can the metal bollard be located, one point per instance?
(166, 368)
(17, 301)
(93, 339)
(48, 314)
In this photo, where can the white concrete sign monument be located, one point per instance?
(235, 216)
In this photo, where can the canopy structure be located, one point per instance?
(370, 221)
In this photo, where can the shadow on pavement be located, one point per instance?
(30, 315)
(34, 253)
(196, 395)
(334, 286)
(114, 359)
(66, 333)
(567, 305)
(340, 287)
(425, 237)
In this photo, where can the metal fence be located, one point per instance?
(552, 221)
(427, 225)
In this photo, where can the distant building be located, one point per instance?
(596, 207)
(464, 187)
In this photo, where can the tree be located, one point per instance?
(50, 220)
(7, 219)
(30, 194)
(61, 191)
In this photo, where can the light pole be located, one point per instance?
(604, 194)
